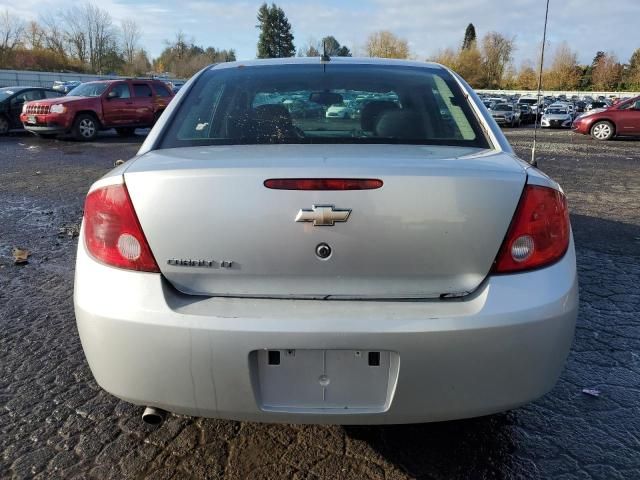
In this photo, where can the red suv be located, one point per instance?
(603, 124)
(90, 107)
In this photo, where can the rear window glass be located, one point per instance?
(142, 90)
(50, 94)
(161, 90)
(335, 103)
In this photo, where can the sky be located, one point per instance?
(428, 25)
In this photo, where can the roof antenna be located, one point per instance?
(533, 161)
(324, 57)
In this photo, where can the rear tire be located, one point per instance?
(85, 127)
(602, 130)
(4, 125)
(126, 131)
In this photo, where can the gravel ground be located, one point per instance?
(55, 422)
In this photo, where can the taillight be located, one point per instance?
(112, 232)
(323, 183)
(539, 232)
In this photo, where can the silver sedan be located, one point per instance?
(402, 266)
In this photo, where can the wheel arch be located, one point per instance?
(605, 119)
(88, 112)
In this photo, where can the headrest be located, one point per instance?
(371, 113)
(403, 124)
(273, 113)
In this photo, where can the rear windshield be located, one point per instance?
(324, 104)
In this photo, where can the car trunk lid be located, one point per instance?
(433, 229)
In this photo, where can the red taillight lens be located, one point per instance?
(112, 232)
(539, 232)
(323, 183)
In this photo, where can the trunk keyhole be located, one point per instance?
(323, 251)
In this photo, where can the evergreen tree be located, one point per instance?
(632, 74)
(276, 39)
(469, 37)
(333, 48)
(596, 60)
(586, 79)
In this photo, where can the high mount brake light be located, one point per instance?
(112, 232)
(323, 183)
(538, 234)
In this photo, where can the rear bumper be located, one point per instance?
(500, 348)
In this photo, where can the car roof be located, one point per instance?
(19, 89)
(316, 60)
(113, 80)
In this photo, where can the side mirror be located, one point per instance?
(113, 94)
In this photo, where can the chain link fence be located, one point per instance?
(26, 78)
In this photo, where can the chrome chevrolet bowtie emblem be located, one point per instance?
(323, 215)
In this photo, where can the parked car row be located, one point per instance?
(601, 117)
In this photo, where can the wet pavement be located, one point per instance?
(55, 422)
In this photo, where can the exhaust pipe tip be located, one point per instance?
(153, 416)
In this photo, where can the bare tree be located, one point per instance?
(90, 35)
(497, 51)
(75, 34)
(11, 32)
(141, 64)
(469, 66)
(565, 72)
(467, 62)
(527, 78)
(33, 36)
(130, 37)
(310, 49)
(447, 57)
(385, 44)
(607, 74)
(54, 36)
(100, 33)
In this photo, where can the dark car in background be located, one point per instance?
(526, 114)
(596, 104)
(12, 99)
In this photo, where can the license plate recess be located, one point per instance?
(339, 380)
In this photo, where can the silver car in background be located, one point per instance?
(402, 266)
(556, 116)
(506, 115)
